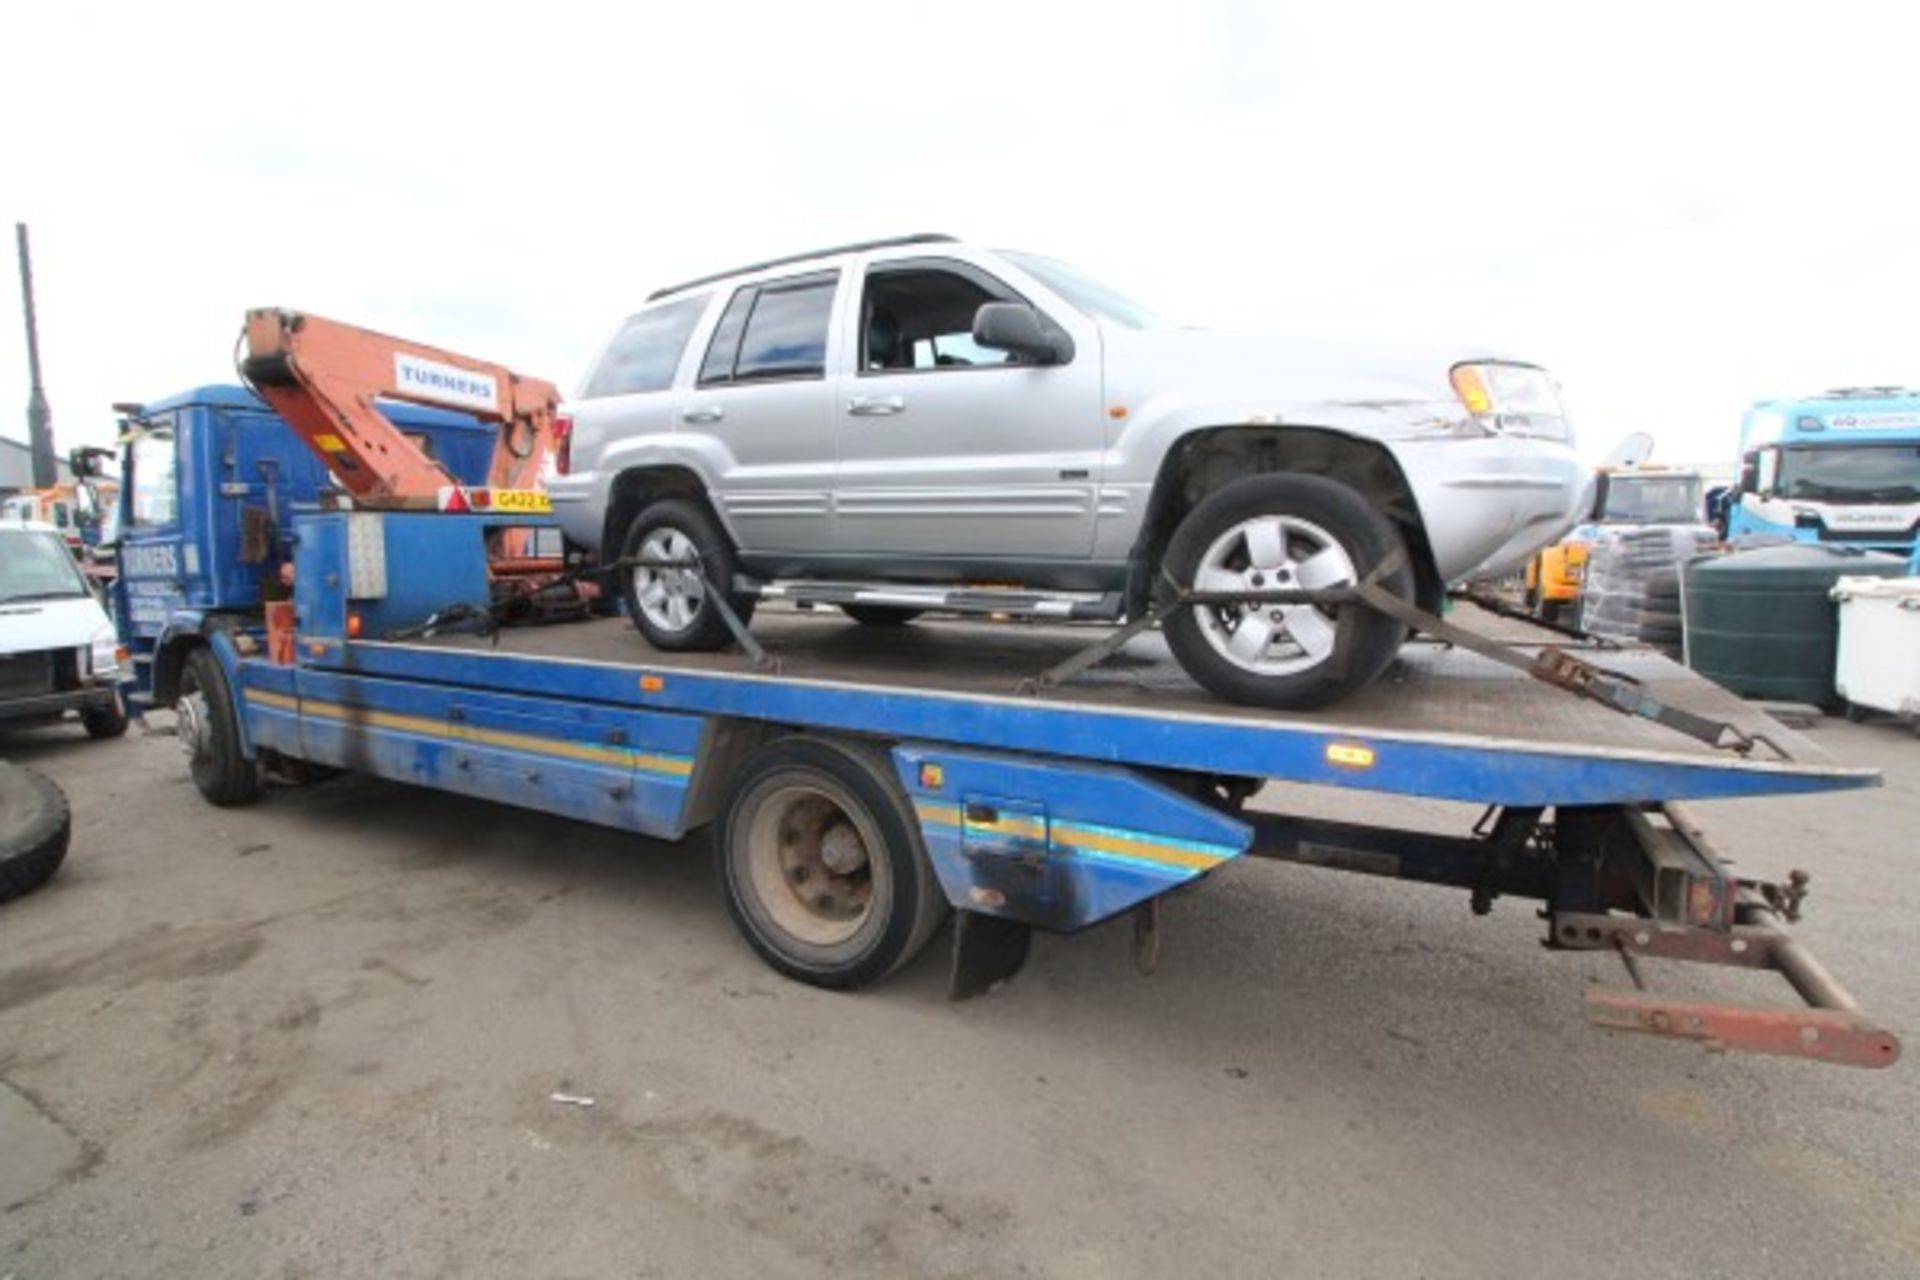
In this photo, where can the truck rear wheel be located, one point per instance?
(35, 825)
(822, 864)
(210, 733)
(1283, 533)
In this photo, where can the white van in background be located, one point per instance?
(58, 650)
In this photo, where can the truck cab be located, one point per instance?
(1840, 468)
(1625, 496)
(209, 481)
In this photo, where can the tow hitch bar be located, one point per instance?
(1695, 910)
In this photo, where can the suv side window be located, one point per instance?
(917, 315)
(724, 349)
(783, 333)
(645, 353)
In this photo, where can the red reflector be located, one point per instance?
(453, 499)
(482, 499)
(563, 444)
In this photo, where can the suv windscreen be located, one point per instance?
(37, 566)
(1101, 301)
(646, 352)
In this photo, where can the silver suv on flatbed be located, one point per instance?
(888, 426)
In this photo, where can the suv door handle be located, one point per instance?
(877, 406)
(704, 413)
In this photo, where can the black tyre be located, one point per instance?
(1283, 532)
(210, 733)
(1663, 582)
(1553, 611)
(106, 722)
(670, 606)
(35, 825)
(880, 615)
(1659, 619)
(1857, 714)
(822, 865)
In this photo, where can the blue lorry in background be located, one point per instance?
(1842, 468)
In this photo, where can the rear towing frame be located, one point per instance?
(846, 787)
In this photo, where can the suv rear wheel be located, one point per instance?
(1282, 533)
(670, 606)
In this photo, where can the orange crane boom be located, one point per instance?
(326, 379)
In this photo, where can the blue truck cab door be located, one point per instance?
(149, 590)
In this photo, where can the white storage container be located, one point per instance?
(1879, 657)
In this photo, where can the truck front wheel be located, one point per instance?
(822, 865)
(210, 733)
(1283, 533)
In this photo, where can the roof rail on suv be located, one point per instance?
(925, 237)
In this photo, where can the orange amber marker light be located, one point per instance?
(652, 684)
(1472, 390)
(353, 626)
(1351, 755)
(1117, 412)
(932, 777)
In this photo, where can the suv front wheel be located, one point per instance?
(670, 606)
(1283, 533)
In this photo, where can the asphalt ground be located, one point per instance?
(324, 1036)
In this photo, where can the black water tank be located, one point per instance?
(1761, 623)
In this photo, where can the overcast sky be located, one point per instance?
(1678, 208)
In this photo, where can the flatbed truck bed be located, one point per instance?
(868, 781)
(1441, 723)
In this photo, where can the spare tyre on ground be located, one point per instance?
(34, 826)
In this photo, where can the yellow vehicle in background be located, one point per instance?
(1623, 496)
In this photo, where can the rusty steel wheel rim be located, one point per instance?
(810, 860)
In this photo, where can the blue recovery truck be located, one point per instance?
(861, 787)
(1841, 468)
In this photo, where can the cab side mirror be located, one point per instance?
(1020, 329)
(88, 461)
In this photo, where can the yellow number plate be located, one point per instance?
(531, 501)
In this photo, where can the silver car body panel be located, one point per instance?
(1054, 463)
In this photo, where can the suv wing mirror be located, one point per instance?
(1019, 328)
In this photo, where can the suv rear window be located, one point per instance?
(645, 353)
(785, 332)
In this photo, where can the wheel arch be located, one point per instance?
(636, 488)
(169, 660)
(1206, 459)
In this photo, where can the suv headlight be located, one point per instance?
(1514, 399)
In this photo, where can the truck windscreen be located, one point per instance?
(1851, 473)
(1653, 500)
